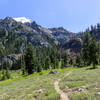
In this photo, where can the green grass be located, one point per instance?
(88, 80)
(40, 86)
(82, 96)
(28, 87)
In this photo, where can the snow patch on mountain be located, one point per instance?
(22, 19)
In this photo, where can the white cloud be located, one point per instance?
(22, 19)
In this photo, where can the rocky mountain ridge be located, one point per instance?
(35, 33)
(23, 33)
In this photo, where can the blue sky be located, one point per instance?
(74, 15)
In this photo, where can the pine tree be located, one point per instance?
(78, 60)
(93, 52)
(55, 64)
(39, 67)
(85, 51)
(71, 61)
(5, 72)
(65, 57)
(2, 54)
(30, 59)
(47, 63)
(98, 47)
(23, 65)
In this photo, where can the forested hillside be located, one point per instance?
(31, 48)
(31, 54)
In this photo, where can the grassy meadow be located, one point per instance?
(81, 84)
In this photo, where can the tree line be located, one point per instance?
(90, 52)
(36, 59)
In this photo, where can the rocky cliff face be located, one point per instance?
(24, 33)
(61, 34)
(39, 36)
(36, 34)
(74, 45)
(11, 58)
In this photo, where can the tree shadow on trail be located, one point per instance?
(92, 68)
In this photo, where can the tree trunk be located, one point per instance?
(93, 65)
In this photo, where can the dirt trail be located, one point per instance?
(63, 96)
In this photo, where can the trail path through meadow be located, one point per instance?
(63, 96)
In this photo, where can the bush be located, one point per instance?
(5, 75)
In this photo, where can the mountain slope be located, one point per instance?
(36, 34)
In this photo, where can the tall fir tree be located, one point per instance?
(85, 51)
(93, 52)
(78, 60)
(30, 59)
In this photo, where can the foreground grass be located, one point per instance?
(82, 84)
(38, 86)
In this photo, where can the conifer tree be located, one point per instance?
(23, 65)
(30, 59)
(71, 61)
(98, 47)
(85, 51)
(78, 60)
(47, 63)
(93, 52)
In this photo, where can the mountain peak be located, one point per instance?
(8, 19)
(38, 35)
(22, 19)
